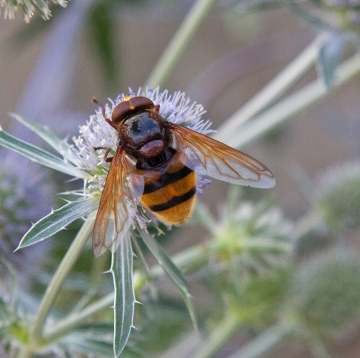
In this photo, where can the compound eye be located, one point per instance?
(141, 129)
(139, 102)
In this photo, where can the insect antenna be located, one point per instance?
(94, 100)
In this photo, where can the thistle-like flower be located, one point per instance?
(96, 133)
(338, 196)
(153, 139)
(251, 238)
(21, 189)
(81, 161)
(325, 297)
(29, 7)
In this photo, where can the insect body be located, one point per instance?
(156, 165)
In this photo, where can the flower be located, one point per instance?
(251, 239)
(83, 162)
(29, 7)
(175, 108)
(22, 188)
(338, 196)
(325, 294)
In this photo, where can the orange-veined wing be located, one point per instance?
(217, 160)
(118, 204)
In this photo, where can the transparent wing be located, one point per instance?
(215, 159)
(117, 208)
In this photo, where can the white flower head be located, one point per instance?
(28, 8)
(175, 108)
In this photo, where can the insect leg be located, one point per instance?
(106, 158)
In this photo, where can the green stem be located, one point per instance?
(179, 42)
(307, 223)
(186, 346)
(274, 89)
(291, 105)
(263, 343)
(99, 266)
(268, 245)
(73, 320)
(318, 349)
(221, 334)
(57, 281)
(187, 260)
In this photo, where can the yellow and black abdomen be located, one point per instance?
(171, 195)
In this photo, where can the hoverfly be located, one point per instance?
(156, 165)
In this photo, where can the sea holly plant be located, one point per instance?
(265, 111)
(80, 160)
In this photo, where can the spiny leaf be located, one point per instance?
(124, 301)
(329, 56)
(57, 220)
(171, 270)
(39, 155)
(43, 132)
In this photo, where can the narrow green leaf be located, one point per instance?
(263, 343)
(171, 270)
(101, 332)
(5, 315)
(329, 56)
(43, 132)
(8, 282)
(58, 220)
(38, 155)
(94, 348)
(124, 300)
(83, 343)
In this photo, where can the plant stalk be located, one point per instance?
(178, 44)
(57, 281)
(284, 110)
(307, 223)
(263, 343)
(74, 319)
(221, 334)
(274, 89)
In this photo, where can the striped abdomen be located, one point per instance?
(171, 195)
